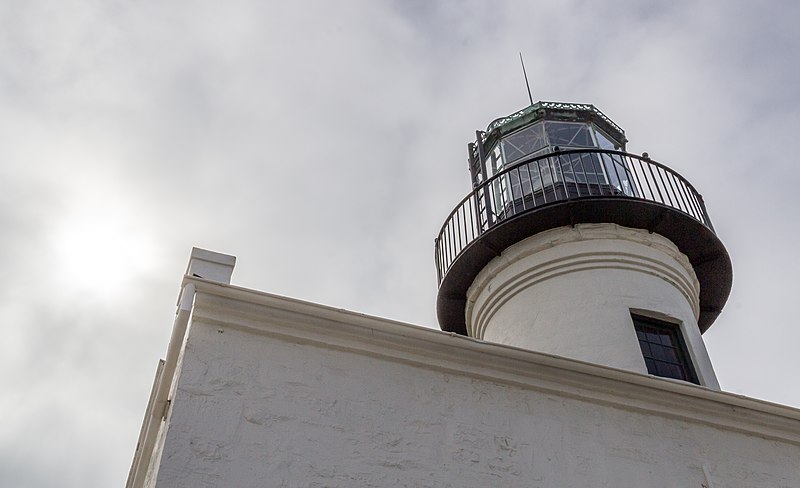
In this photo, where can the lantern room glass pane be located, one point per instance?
(583, 168)
(569, 134)
(523, 142)
(620, 176)
(605, 142)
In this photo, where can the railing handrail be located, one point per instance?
(693, 201)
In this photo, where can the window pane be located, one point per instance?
(582, 168)
(569, 134)
(493, 162)
(520, 181)
(672, 371)
(619, 174)
(523, 142)
(605, 142)
(541, 174)
(658, 352)
(663, 349)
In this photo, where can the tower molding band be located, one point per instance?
(674, 268)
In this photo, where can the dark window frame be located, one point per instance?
(664, 349)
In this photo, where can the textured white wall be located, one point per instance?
(570, 291)
(257, 410)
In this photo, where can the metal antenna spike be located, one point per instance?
(528, 85)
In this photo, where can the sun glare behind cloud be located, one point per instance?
(100, 250)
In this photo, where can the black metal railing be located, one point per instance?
(561, 176)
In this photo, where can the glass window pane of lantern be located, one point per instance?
(540, 173)
(523, 142)
(604, 142)
(582, 168)
(594, 168)
(520, 182)
(618, 172)
(569, 134)
(494, 163)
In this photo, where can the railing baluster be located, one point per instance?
(474, 220)
(690, 208)
(530, 188)
(671, 177)
(511, 174)
(553, 176)
(451, 255)
(655, 183)
(541, 177)
(604, 183)
(462, 229)
(697, 206)
(462, 242)
(636, 174)
(690, 204)
(587, 190)
(682, 194)
(457, 232)
(597, 159)
(706, 219)
(651, 194)
(614, 165)
(660, 172)
(585, 176)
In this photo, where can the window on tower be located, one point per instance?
(664, 349)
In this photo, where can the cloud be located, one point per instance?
(324, 144)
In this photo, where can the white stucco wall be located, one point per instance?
(570, 291)
(288, 394)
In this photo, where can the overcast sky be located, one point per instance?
(323, 144)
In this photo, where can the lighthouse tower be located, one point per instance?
(599, 267)
(571, 246)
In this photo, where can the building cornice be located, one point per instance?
(304, 322)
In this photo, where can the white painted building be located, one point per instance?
(575, 283)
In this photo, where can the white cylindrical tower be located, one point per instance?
(575, 292)
(572, 247)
